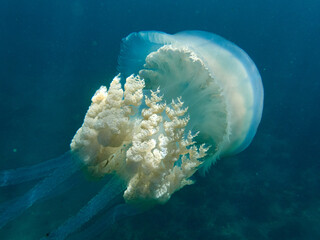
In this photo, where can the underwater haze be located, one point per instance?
(55, 54)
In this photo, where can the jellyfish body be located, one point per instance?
(151, 141)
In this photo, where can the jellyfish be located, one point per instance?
(179, 103)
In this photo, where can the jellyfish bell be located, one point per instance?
(179, 103)
(216, 79)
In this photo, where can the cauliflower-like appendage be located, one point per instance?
(164, 159)
(107, 127)
(148, 149)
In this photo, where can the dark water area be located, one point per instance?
(55, 54)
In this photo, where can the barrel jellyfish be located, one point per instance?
(179, 103)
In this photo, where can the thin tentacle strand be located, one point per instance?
(38, 171)
(13, 208)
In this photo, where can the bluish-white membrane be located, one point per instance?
(216, 79)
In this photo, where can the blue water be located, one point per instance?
(55, 54)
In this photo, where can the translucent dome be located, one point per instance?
(216, 79)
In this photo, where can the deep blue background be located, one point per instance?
(55, 54)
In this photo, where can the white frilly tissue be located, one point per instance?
(149, 149)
